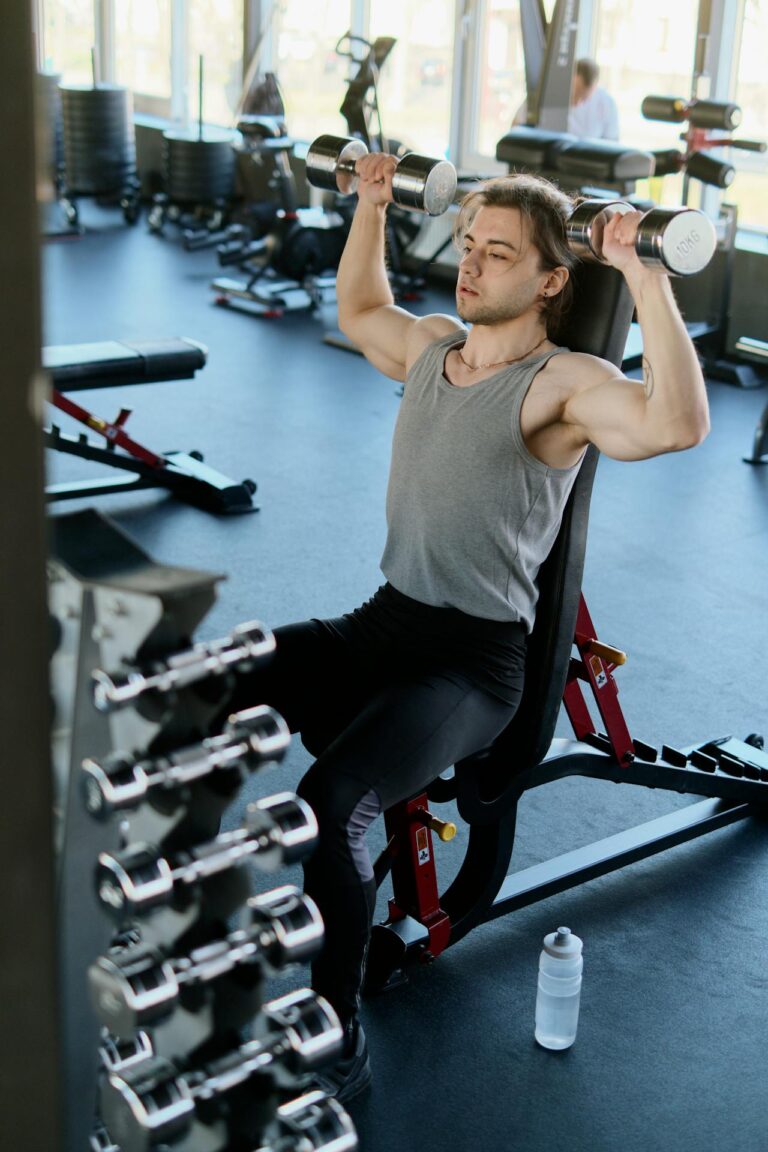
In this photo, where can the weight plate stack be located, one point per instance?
(99, 140)
(199, 169)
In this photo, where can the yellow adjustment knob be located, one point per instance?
(444, 829)
(606, 652)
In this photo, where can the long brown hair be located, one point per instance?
(546, 209)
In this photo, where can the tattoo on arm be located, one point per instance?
(647, 378)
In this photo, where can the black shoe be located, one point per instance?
(351, 1073)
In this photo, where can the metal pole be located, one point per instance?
(29, 1036)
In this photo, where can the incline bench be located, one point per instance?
(112, 363)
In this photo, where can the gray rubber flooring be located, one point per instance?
(671, 1047)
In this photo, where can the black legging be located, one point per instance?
(386, 698)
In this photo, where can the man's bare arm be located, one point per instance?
(668, 411)
(388, 336)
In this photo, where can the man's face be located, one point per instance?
(579, 89)
(499, 274)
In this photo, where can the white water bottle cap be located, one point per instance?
(563, 944)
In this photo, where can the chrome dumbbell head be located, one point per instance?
(132, 989)
(424, 184)
(147, 1105)
(263, 731)
(284, 826)
(118, 781)
(133, 880)
(331, 163)
(312, 1123)
(303, 1033)
(118, 1053)
(681, 240)
(289, 927)
(585, 226)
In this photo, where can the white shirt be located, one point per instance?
(596, 117)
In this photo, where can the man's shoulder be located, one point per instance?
(427, 330)
(578, 370)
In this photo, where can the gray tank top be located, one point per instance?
(471, 513)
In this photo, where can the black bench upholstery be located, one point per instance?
(110, 363)
(573, 163)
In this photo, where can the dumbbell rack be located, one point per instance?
(162, 986)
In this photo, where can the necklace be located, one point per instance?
(497, 363)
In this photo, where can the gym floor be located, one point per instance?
(670, 1051)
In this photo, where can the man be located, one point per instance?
(593, 112)
(491, 431)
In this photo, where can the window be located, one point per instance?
(750, 188)
(500, 74)
(312, 77)
(68, 36)
(216, 34)
(646, 47)
(416, 79)
(143, 53)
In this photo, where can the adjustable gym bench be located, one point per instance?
(111, 364)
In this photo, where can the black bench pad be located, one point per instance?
(109, 363)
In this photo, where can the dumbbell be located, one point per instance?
(680, 240)
(278, 830)
(312, 1123)
(246, 644)
(140, 987)
(154, 1104)
(419, 182)
(250, 738)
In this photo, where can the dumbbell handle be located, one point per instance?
(251, 738)
(245, 644)
(279, 829)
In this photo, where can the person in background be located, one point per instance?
(593, 112)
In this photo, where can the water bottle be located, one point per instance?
(559, 991)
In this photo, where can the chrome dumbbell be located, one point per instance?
(141, 987)
(245, 646)
(312, 1123)
(250, 739)
(277, 830)
(154, 1104)
(680, 240)
(420, 183)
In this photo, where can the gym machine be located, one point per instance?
(112, 363)
(710, 124)
(564, 654)
(289, 265)
(168, 1039)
